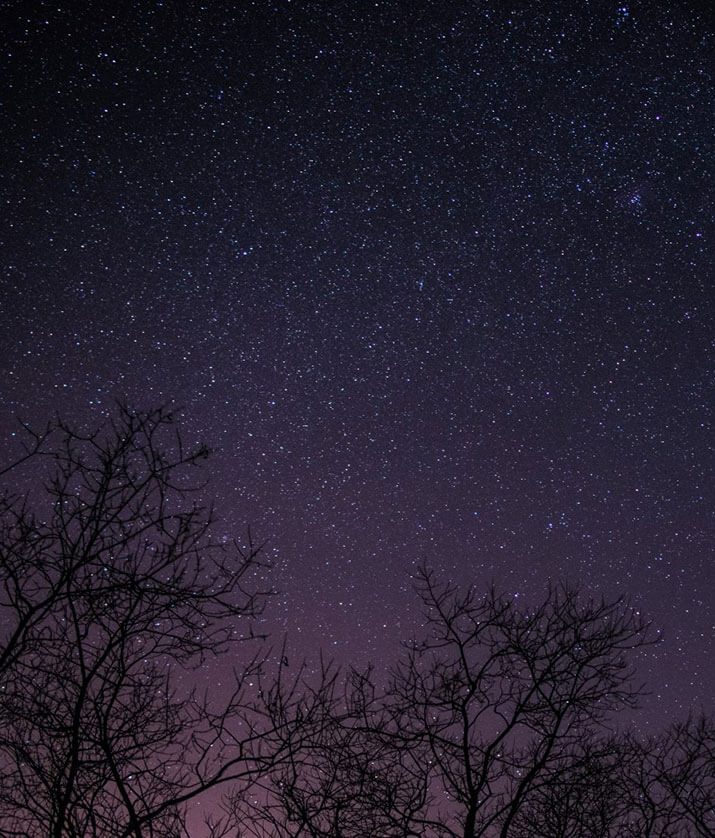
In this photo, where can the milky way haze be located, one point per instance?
(429, 277)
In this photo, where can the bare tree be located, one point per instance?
(659, 787)
(495, 724)
(498, 723)
(583, 797)
(114, 589)
(111, 589)
(668, 782)
(343, 779)
(503, 696)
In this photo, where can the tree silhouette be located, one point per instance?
(497, 723)
(111, 591)
(668, 782)
(581, 798)
(660, 787)
(344, 777)
(503, 695)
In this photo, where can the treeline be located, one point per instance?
(499, 721)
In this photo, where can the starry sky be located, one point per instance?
(429, 277)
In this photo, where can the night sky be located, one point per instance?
(431, 278)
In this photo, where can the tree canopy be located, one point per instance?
(498, 720)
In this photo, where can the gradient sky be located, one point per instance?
(430, 277)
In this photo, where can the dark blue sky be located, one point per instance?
(429, 277)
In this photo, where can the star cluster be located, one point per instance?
(430, 278)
